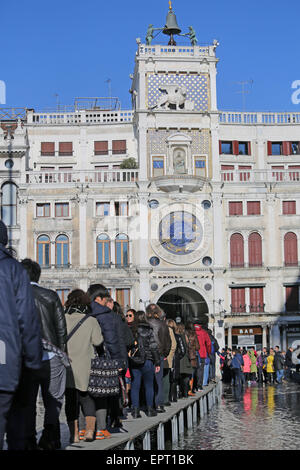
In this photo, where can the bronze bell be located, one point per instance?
(171, 27)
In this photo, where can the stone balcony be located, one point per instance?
(71, 177)
(179, 183)
(258, 118)
(260, 176)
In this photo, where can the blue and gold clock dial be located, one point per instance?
(180, 233)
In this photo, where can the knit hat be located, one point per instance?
(3, 233)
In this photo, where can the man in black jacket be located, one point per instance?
(20, 345)
(52, 375)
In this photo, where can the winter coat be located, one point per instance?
(144, 333)
(80, 348)
(214, 348)
(252, 356)
(179, 354)
(288, 359)
(204, 341)
(247, 363)
(161, 335)
(270, 363)
(52, 315)
(260, 362)
(20, 330)
(125, 337)
(168, 364)
(278, 361)
(110, 330)
(237, 361)
(193, 347)
(185, 362)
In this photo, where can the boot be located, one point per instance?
(90, 428)
(150, 412)
(47, 440)
(173, 393)
(136, 413)
(74, 432)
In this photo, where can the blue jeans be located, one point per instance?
(147, 373)
(159, 394)
(279, 375)
(206, 373)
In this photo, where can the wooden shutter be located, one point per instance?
(238, 299)
(249, 148)
(289, 207)
(119, 146)
(290, 249)
(235, 208)
(253, 207)
(255, 250)
(101, 147)
(237, 250)
(269, 144)
(65, 148)
(256, 299)
(286, 148)
(292, 298)
(235, 147)
(48, 148)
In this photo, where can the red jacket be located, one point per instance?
(204, 341)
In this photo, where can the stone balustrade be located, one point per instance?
(79, 117)
(260, 176)
(76, 176)
(256, 118)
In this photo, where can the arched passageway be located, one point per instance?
(185, 303)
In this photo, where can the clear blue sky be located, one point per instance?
(70, 48)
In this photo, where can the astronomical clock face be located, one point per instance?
(180, 233)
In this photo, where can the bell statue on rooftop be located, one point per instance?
(192, 35)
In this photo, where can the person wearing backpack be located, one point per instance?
(175, 369)
(144, 363)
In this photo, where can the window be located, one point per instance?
(256, 299)
(200, 167)
(101, 147)
(123, 297)
(63, 295)
(226, 148)
(244, 148)
(118, 147)
(275, 148)
(102, 208)
(47, 149)
(121, 208)
(65, 149)
(43, 210)
(122, 250)
(255, 250)
(235, 208)
(290, 249)
(292, 298)
(158, 167)
(238, 300)
(253, 207)
(295, 148)
(288, 207)
(237, 251)
(43, 251)
(277, 174)
(62, 251)
(9, 204)
(62, 209)
(227, 172)
(103, 250)
(234, 147)
(48, 177)
(65, 175)
(244, 173)
(295, 174)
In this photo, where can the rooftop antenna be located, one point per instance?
(244, 92)
(57, 102)
(108, 81)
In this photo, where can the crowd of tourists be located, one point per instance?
(101, 364)
(246, 367)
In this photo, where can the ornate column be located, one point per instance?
(142, 241)
(264, 336)
(23, 207)
(82, 199)
(229, 337)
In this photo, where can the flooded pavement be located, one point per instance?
(257, 417)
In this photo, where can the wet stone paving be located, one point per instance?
(255, 417)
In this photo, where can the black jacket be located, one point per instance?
(278, 361)
(145, 333)
(20, 332)
(52, 315)
(288, 359)
(161, 336)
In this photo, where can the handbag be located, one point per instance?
(137, 354)
(104, 376)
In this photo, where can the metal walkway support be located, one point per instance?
(147, 441)
(160, 437)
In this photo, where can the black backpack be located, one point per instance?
(138, 355)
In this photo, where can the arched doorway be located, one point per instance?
(185, 303)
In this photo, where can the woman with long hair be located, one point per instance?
(193, 347)
(186, 369)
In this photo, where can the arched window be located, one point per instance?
(237, 250)
(9, 204)
(43, 251)
(290, 249)
(255, 249)
(62, 251)
(103, 250)
(122, 250)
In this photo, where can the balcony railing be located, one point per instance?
(232, 117)
(80, 117)
(260, 176)
(75, 176)
(244, 309)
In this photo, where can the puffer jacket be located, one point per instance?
(110, 330)
(161, 336)
(247, 363)
(52, 315)
(204, 341)
(144, 332)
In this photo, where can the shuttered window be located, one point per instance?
(237, 250)
(235, 208)
(294, 175)
(255, 250)
(123, 297)
(238, 300)
(292, 298)
(253, 207)
(290, 249)
(256, 299)
(244, 174)
(65, 148)
(118, 147)
(228, 176)
(289, 207)
(101, 147)
(47, 149)
(277, 174)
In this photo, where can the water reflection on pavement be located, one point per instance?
(255, 417)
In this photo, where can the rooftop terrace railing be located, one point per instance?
(266, 118)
